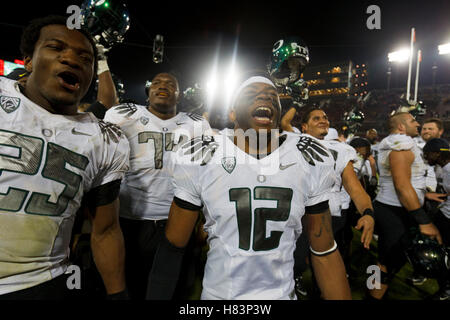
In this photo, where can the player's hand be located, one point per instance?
(435, 196)
(367, 223)
(101, 51)
(431, 231)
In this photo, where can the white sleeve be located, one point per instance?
(346, 155)
(400, 142)
(431, 181)
(321, 180)
(185, 178)
(114, 160)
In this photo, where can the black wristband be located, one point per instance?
(368, 212)
(122, 295)
(421, 216)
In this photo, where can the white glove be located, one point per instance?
(102, 60)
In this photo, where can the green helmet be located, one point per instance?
(106, 20)
(427, 256)
(289, 58)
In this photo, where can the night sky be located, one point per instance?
(195, 32)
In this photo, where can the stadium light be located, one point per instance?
(399, 56)
(444, 48)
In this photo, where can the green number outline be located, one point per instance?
(25, 192)
(86, 162)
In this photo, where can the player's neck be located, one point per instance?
(161, 115)
(31, 93)
(443, 163)
(256, 144)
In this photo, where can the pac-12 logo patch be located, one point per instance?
(229, 163)
(9, 104)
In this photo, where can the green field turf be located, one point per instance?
(399, 289)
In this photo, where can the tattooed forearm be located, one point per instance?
(321, 230)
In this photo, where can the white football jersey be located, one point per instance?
(253, 210)
(430, 179)
(399, 142)
(342, 154)
(47, 163)
(444, 174)
(146, 192)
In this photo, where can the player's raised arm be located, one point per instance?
(326, 260)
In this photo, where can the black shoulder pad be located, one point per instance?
(110, 131)
(127, 109)
(311, 150)
(200, 148)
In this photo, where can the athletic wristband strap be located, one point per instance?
(368, 212)
(102, 66)
(421, 216)
(324, 253)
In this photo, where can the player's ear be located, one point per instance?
(304, 127)
(28, 63)
(232, 115)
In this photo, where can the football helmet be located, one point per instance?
(289, 58)
(354, 119)
(106, 20)
(427, 256)
(418, 109)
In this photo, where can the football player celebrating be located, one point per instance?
(398, 205)
(315, 123)
(146, 194)
(50, 156)
(254, 193)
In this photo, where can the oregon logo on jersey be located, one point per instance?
(311, 150)
(201, 148)
(9, 104)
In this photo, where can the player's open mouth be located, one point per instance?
(162, 94)
(69, 80)
(262, 115)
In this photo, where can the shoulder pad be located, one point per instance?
(399, 142)
(194, 116)
(311, 150)
(110, 131)
(200, 148)
(127, 109)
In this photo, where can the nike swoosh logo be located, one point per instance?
(180, 123)
(74, 131)
(286, 166)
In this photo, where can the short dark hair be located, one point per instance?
(32, 32)
(437, 121)
(307, 113)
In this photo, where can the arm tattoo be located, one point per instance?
(326, 225)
